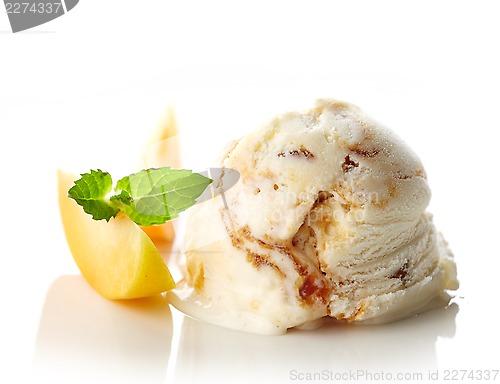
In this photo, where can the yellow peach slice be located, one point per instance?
(117, 258)
(162, 149)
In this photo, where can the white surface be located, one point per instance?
(84, 91)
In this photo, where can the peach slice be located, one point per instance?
(162, 149)
(117, 258)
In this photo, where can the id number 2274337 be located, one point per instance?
(41, 7)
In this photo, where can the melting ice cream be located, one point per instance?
(327, 220)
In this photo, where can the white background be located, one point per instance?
(85, 90)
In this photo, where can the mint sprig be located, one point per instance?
(152, 196)
(90, 192)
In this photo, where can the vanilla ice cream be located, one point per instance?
(327, 220)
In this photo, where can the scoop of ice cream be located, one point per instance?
(327, 220)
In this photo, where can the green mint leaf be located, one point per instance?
(156, 195)
(90, 192)
(122, 198)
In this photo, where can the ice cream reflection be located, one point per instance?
(85, 338)
(209, 353)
